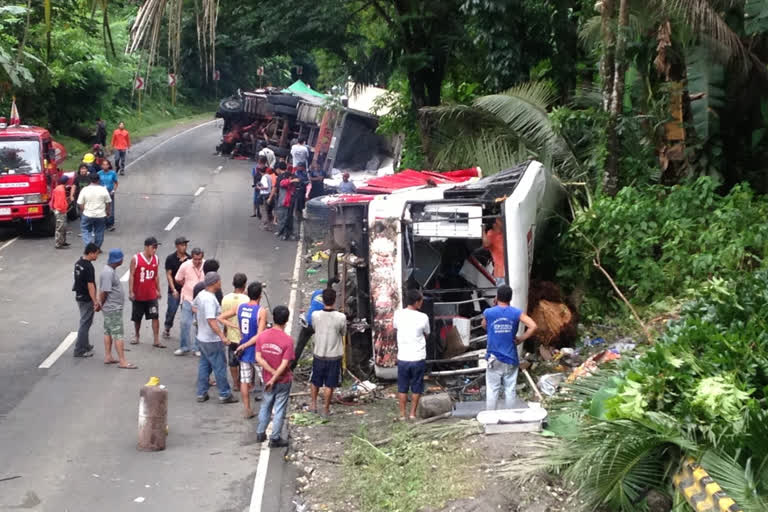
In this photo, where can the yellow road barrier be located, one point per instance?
(701, 491)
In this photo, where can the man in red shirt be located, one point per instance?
(144, 289)
(121, 142)
(274, 353)
(59, 205)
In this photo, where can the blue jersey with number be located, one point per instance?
(248, 319)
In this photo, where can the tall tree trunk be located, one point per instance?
(24, 36)
(607, 61)
(613, 69)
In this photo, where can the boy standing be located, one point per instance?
(502, 322)
(252, 319)
(229, 304)
(274, 353)
(59, 205)
(330, 327)
(412, 330)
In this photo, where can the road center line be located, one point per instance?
(172, 223)
(218, 169)
(166, 141)
(56, 354)
(199, 191)
(124, 279)
(9, 242)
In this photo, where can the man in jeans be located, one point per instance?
(85, 295)
(121, 142)
(211, 341)
(502, 322)
(274, 353)
(94, 202)
(172, 263)
(189, 274)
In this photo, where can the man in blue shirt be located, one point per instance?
(108, 179)
(315, 304)
(502, 322)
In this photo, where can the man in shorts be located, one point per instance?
(229, 303)
(412, 330)
(252, 320)
(328, 349)
(111, 298)
(144, 290)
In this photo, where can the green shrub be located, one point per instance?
(664, 241)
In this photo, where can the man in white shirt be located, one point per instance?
(412, 330)
(328, 350)
(269, 155)
(94, 202)
(300, 153)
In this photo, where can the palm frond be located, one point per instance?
(523, 109)
(705, 78)
(741, 482)
(702, 17)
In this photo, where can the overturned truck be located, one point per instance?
(429, 237)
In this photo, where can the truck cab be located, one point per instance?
(431, 238)
(29, 171)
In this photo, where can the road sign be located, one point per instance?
(171, 79)
(260, 71)
(138, 83)
(216, 75)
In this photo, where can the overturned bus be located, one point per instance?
(430, 238)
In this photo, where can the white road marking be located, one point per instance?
(127, 274)
(166, 141)
(199, 191)
(172, 223)
(295, 282)
(218, 169)
(260, 480)
(56, 354)
(9, 242)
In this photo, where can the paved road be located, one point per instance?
(69, 432)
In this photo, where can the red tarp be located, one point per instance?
(410, 178)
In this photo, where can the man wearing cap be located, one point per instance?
(111, 299)
(59, 205)
(172, 263)
(144, 289)
(95, 204)
(211, 341)
(89, 160)
(189, 274)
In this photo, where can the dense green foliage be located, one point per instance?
(660, 241)
(701, 390)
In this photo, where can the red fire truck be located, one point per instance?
(29, 160)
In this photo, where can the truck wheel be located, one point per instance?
(231, 105)
(283, 99)
(283, 110)
(47, 226)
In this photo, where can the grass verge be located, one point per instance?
(406, 475)
(155, 117)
